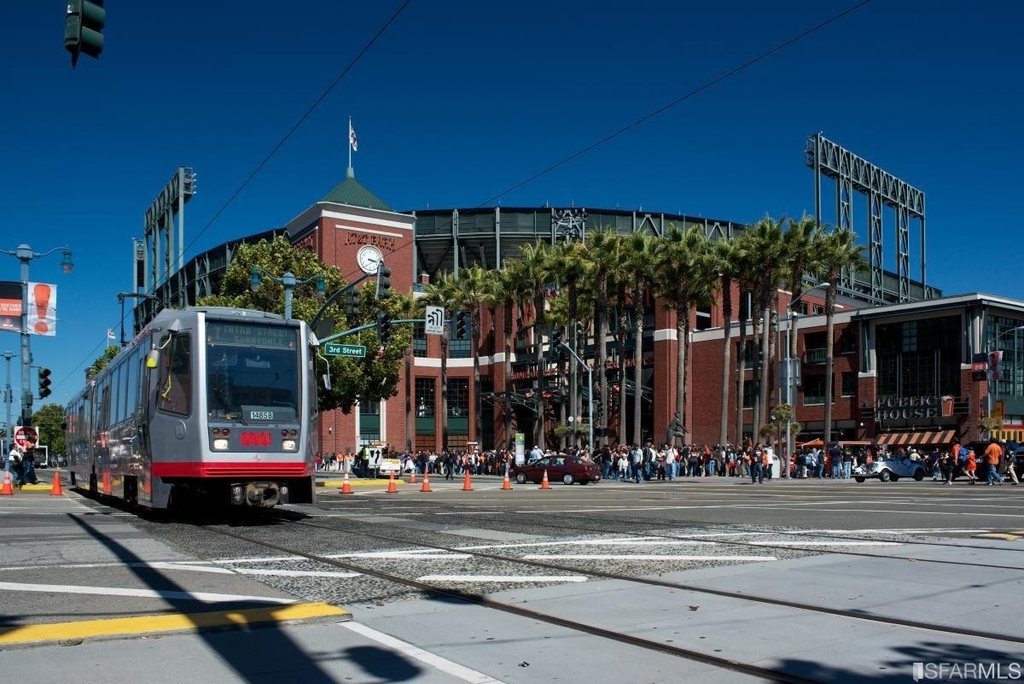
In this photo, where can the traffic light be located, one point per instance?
(460, 325)
(556, 338)
(350, 304)
(598, 408)
(44, 383)
(383, 281)
(384, 327)
(83, 28)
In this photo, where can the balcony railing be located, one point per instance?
(815, 357)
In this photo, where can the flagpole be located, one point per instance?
(350, 142)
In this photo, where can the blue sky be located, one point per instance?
(459, 101)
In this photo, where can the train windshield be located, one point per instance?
(252, 372)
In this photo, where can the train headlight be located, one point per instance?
(220, 444)
(288, 445)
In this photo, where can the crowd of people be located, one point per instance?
(638, 463)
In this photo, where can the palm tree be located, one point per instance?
(726, 255)
(639, 252)
(441, 292)
(470, 293)
(603, 247)
(536, 262)
(569, 262)
(508, 290)
(688, 277)
(799, 241)
(835, 251)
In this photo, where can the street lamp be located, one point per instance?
(25, 255)
(993, 379)
(289, 281)
(791, 368)
(590, 404)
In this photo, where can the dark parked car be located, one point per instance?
(567, 469)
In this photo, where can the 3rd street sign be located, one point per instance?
(357, 351)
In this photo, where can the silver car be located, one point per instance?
(890, 469)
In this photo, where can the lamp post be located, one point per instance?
(289, 281)
(590, 404)
(993, 380)
(8, 399)
(25, 255)
(791, 366)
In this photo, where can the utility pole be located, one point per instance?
(8, 355)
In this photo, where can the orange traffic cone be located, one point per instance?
(56, 490)
(412, 476)
(467, 485)
(426, 484)
(507, 484)
(8, 488)
(392, 488)
(346, 488)
(544, 484)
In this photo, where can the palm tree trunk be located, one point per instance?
(601, 362)
(478, 422)
(638, 356)
(509, 444)
(741, 372)
(723, 427)
(682, 318)
(621, 346)
(830, 333)
(444, 390)
(538, 383)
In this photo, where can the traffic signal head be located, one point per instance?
(44, 383)
(383, 281)
(384, 327)
(350, 304)
(83, 28)
(460, 325)
(556, 338)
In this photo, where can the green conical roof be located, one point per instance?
(353, 193)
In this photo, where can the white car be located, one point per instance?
(890, 469)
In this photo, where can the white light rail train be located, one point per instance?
(207, 404)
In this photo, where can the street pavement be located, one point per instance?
(87, 596)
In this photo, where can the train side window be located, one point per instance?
(175, 389)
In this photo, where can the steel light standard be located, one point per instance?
(993, 381)
(8, 399)
(25, 255)
(790, 372)
(289, 281)
(590, 404)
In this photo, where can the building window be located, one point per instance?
(814, 389)
(425, 397)
(919, 358)
(749, 394)
(458, 397)
(459, 349)
(849, 384)
(419, 340)
(848, 340)
(369, 408)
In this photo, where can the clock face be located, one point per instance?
(369, 258)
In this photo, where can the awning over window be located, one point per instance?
(929, 438)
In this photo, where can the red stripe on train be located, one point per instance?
(226, 469)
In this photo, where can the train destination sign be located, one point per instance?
(245, 335)
(356, 351)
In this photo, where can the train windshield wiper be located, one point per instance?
(229, 405)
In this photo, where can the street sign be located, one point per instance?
(434, 320)
(25, 436)
(356, 351)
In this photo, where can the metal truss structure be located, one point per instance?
(851, 173)
(165, 244)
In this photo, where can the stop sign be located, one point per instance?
(26, 436)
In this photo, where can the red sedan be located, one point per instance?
(568, 469)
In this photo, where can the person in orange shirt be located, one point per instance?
(993, 453)
(971, 468)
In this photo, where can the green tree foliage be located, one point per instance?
(49, 423)
(373, 378)
(101, 361)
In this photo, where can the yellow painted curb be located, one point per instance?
(998, 535)
(149, 624)
(382, 482)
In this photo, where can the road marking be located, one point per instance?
(629, 557)
(85, 629)
(138, 593)
(299, 573)
(640, 541)
(811, 542)
(502, 578)
(997, 535)
(434, 660)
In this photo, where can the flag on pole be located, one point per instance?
(352, 137)
(111, 335)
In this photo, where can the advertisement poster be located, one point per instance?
(42, 309)
(10, 306)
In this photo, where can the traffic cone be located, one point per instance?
(544, 484)
(56, 490)
(426, 483)
(507, 483)
(467, 485)
(8, 488)
(412, 476)
(346, 488)
(392, 488)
